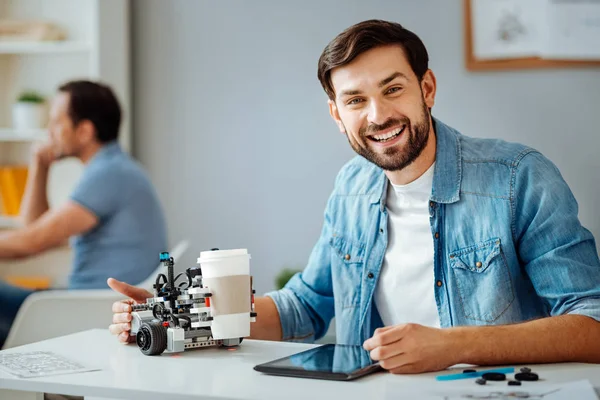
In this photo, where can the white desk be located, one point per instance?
(218, 373)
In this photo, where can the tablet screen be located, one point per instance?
(332, 359)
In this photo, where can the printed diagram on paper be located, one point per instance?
(39, 363)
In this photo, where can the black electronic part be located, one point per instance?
(527, 376)
(469, 371)
(494, 376)
(480, 381)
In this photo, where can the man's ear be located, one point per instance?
(428, 88)
(86, 132)
(333, 111)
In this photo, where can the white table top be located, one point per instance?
(218, 373)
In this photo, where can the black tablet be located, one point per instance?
(331, 361)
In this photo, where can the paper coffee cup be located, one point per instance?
(226, 273)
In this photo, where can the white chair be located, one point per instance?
(54, 265)
(54, 313)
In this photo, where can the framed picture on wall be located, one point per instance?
(517, 34)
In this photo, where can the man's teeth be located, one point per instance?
(389, 135)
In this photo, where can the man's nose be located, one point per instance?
(379, 112)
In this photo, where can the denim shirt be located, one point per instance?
(508, 245)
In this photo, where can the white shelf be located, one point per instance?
(12, 135)
(56, 47)
(9, 222)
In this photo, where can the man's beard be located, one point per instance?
(395, 158)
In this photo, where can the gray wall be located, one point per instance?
(232, 124)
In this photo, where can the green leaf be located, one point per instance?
(284, 276)
(30, 96)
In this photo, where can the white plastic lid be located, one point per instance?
(213, 255)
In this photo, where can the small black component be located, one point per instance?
(468, 371)
(480, 381)
(253, 314)
(194, 272)
(214, 249)
(525, 369)
(494, 376)
(527, 376)
(209, 318)
(514, 383)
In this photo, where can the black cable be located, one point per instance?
(186, 319)
(157, 282)
(189, 276)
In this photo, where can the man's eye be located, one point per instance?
(354, 101)
(394, 89)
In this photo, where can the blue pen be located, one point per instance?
(467, 375)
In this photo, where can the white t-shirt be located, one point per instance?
(405, 290)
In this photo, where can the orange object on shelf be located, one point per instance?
(12, 187)
(29, 282)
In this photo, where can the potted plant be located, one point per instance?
(284, 276)
(29, 111)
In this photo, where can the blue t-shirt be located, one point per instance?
(131, 230)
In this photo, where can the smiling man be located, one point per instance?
(436, 248)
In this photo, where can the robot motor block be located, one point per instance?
(178, 317)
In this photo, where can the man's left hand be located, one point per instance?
(413, 348)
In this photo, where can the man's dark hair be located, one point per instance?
(365, 36)
(96, 103)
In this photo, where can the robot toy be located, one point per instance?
(179, 316)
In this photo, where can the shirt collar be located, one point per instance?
(447, 173)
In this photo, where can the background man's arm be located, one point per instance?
(50, 230)
(35, 198)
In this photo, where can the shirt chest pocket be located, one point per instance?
(347, 260)
(483, 280)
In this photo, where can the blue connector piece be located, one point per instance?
(467, 375)
(164, 256)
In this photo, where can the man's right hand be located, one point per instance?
(121, 322)
(44, 154)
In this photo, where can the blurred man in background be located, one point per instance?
(113, 216)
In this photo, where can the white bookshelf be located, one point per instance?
(96, 47)
(9, 222)
(58, 47)
(13, 135)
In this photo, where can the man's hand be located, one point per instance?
(412, 348)
(121, 322)
(44, 155)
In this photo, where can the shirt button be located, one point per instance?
(370, 275)
(437, 235)
(439, 283)
(347, 257)
(381, 230)
(478, 264)
(431, 204)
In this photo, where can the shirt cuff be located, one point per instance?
(589, 307)
(296, 325)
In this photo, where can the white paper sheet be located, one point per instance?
(35, 364)
(508, 28)
(573, 30)
(580, 390)
(551, 29)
